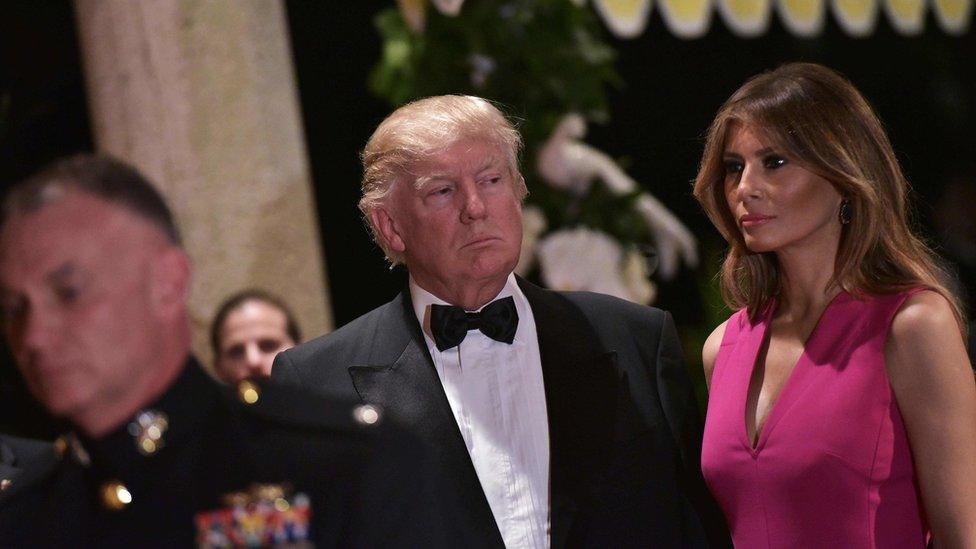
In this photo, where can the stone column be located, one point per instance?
(201, 96)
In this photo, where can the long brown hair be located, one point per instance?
(820, 119)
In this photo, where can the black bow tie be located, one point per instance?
(497, 320)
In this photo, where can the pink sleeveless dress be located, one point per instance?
(832, 466)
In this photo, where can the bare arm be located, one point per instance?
(710, 351)
(933, 383)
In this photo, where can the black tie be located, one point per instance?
(497, 320)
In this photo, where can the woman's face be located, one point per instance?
(778, 205)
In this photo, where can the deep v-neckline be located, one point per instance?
(777, 408)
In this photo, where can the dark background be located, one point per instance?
(923, 87)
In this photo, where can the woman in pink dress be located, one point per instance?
(842, 408)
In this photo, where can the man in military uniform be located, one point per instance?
(94, 283)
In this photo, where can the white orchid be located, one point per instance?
(637, 277)
(534, 223)
(586, 259)
(567, 163)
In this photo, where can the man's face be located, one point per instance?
(79, 290)
(461, 222)
(250, 338)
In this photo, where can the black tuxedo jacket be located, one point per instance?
(21, 461)
(624, 427)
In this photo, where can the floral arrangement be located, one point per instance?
(547, 63)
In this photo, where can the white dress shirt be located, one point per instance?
(499, 402)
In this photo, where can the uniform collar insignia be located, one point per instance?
(148, 429)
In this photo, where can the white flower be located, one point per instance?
(566, 163)
(586, 259)
(534, 223)
(637, 278)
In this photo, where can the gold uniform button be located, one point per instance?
(367, 414)
(61, 446)
(248, 392)
(115, 496)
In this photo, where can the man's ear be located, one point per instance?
(171, 281)
(387, 229)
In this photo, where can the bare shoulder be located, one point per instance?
(932, 381)
(924, 321)
(925, 313)
(710, 351)
(925, 341)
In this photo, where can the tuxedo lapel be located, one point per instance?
(408, 386)
(32, 468)
(410, 390)
(581, 388)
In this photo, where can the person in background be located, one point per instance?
(842, 408)
(93, 290)
(250, 328)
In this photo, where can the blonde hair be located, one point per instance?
(821, 120)
(421, 129)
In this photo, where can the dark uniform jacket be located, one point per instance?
(211, 447)
(624, 427)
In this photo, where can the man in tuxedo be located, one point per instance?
(93, 290)
(554, 419)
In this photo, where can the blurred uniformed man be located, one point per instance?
(94, 283)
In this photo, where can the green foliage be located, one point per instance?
(547, 58)
(548, 55)
(539, 59)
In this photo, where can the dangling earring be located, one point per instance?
(846, 213)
